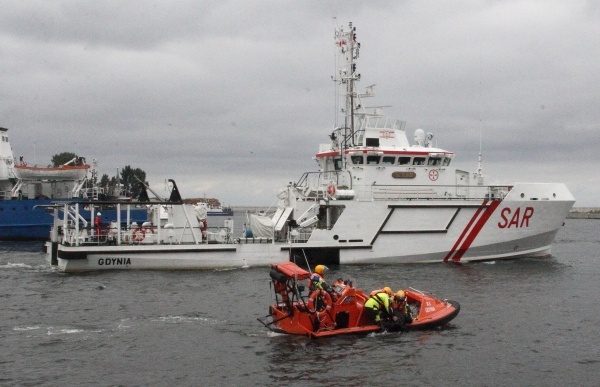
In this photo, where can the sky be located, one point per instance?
(232, 98)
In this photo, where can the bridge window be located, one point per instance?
(403, 160)
(357, 159)
(373, 160)
(388, 160)
(337, 164)
(447, 161)
(434, 161)
(419, 161)
(372, 142)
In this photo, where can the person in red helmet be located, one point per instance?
(401, 315)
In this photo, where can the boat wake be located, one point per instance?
(185, 319)
(54, 330)
(36, 268)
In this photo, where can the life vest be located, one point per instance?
(316, 282)
(379, 301)
(374, 292)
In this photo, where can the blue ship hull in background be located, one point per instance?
(19, 221)
(25, 188)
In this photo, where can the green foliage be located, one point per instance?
(61, 158)
(127, 184)
(104, 181)
(129, 179)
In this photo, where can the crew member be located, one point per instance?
(317, 280)
(98, 222)
(378, 306)
(401, 311)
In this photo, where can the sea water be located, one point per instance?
(528, 322)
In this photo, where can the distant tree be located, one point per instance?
(61, 158)
(125, 184)
(129, 181)
(104, 180)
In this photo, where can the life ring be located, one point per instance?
(138, 235)
(331, 189)
(326, 300)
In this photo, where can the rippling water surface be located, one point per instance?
(525, 322)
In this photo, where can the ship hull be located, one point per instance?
(393, 233)
(20, 221)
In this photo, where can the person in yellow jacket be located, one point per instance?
(379, 305)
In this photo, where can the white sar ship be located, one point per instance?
(376, 198)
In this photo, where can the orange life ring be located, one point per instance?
(324, 313)
(331, 189)
(138, 235)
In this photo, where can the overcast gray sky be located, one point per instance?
(232, 98)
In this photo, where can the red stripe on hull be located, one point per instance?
(482, 221)
(467, 228)
(473, 234)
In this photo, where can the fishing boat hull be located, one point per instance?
(161, 257)
(429, 311)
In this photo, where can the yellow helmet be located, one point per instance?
(388, 290)
(320, 269)
(400, 295)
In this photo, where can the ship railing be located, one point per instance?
(300, 235)
(446, 192)
(71, 228)
(218, 235)
(128, 235)
(253, 240)
(314, 185)
(93, 193)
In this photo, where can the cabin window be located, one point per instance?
(434, 161)
(403, 160)
(357, 159)
(447, 161)
(372, 141)
(419, 161)
(388, 160)
(373, 160)
(337, 164)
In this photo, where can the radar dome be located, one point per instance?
(419, 137)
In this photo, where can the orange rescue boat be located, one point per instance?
(340, 311)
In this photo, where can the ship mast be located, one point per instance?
(349, 47)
